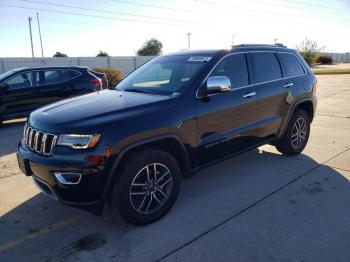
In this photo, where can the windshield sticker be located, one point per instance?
(199, 58)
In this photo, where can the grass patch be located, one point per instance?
(331, 71)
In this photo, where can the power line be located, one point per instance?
(158, 6)
(321, 8)
(260, 11)
(190, 11)
(107, 11)
(89, 15)
(310, 4)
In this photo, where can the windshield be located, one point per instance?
(164, 75)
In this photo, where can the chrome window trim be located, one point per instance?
(260, 83)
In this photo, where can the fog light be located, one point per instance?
(68, 178)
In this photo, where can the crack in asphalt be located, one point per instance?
(250, 206)
(345, 117)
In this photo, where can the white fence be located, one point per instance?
(339, 57)
(126, 64)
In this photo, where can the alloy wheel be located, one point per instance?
(151, 188)
(299, 133)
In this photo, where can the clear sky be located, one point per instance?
(119, 27)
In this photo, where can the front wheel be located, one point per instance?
(296, 135)
(147, 188)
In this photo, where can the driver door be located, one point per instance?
(228, 121)
(17, 95)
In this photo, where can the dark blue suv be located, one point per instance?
(23, 90)
(131, 144)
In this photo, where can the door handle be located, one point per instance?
(288, 85)
(247, 95)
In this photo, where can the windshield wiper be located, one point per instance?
(136, 90)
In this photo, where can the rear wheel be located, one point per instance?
(296, 135)
(147, 188)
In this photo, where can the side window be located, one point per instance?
(266, 67)
(291, 64)
(73, 73)
(235, 68)
(22, 80)
(56, 76)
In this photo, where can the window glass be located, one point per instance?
(266, 66)
(56, 76)
(22, 80)
(291, 65)
(73, 73)
(164, 75)
(235, 68)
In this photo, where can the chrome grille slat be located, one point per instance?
(39, 141)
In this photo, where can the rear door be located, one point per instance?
(227, 121)
(54, 85)
(17, 96)
(273, 92)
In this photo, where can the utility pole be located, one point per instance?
(30, 31)
(189, 39)
(275, 40)
(41, 42)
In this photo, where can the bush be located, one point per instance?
(114, 75)
(324, 59)
(309, 51)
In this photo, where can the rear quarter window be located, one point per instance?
(56, 76)
(266, 67)
(291, 65)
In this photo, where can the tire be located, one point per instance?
(137, 177)
(296, 134)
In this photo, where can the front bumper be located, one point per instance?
(87, 194)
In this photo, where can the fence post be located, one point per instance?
(108, 62)
(2, 66)
(134, 60)
(78, 61)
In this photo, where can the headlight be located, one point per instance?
(78, 141)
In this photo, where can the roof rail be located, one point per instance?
(259, 45)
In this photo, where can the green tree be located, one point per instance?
(151, 47)
(310, 50)
(59, 54)
(102, 53)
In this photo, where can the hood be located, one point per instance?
(91, 110)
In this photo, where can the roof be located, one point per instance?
(50, 67)
(199, 52)
(261, 47)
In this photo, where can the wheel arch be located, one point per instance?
(305, 104)
(170, 143)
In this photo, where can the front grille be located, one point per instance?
(38, 141)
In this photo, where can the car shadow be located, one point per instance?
(207, 199)
(10, 135)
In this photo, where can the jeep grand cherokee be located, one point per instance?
(132, 144)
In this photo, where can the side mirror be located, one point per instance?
(217, 84)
